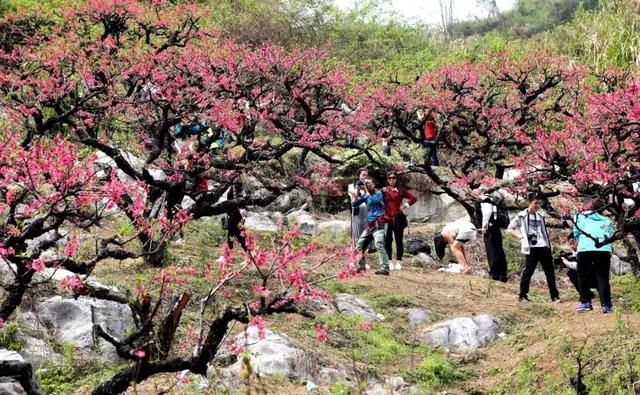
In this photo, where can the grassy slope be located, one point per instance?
(532, 357)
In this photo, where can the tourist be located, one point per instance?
(529, 226)
(395, 205)
(359, 213)
(494, 217)
(456, 234)
(590, 230)
(376, 224)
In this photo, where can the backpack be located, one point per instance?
(501, 218)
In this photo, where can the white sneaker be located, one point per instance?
(398, 265)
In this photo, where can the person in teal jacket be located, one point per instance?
(376, 224)
(591, 230)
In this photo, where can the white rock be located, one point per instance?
(619, 267)
(8, 355)
(304, 220)
(259, 222)
(426, 260)
(437, 209)
(274, 355)
(352, 305)
(71, 321)
(418, 316)
(11, 388)
(187, 202)
(334, 227)
(463, 333)
(332, 375)
(397, 382)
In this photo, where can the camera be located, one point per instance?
(359, 183)
(533, 238)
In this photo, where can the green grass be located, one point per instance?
(336, 287)
(375, 348)
(630, 285)
(72, 374)
(436, 372)
(384, 301)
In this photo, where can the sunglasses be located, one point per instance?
(391, 178)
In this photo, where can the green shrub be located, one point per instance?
(340, 388)
(9, 337)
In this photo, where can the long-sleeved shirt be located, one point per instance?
(488, 210)
(393, 198)
(590, 225)
(527, 224)
(375, 205)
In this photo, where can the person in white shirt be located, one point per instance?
(456, 234)
(358, 214)
(529, 226)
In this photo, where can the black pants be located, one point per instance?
(394, 230)
(595, 263)
(542, 255)
(432, 154)
(495, 254)
(573, 277)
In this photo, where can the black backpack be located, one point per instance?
(501, 219)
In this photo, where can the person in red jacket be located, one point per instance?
(394, 206)
(430, 136)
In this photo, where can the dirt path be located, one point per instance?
(534, 330)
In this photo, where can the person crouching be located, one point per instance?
(456, 234)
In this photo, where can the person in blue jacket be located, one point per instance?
(591, 229)
(376, 224)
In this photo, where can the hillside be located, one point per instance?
(535, 353)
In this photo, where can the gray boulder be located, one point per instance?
(332, 375)
(290, 201)
(274, 355)
(8, 355)
(334, 227)
(418, 316)
(7, 385)
(260, 222)
(619, 267)
(434, 208)
(11, 388)
(348, 304)
(319, 305)
(462, 334)
(72, 320)
(304, 220)
(426, 261)
(396, 382)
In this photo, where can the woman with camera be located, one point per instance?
(359, 213)
(529, 226)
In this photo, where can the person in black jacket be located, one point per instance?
(234, 222)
